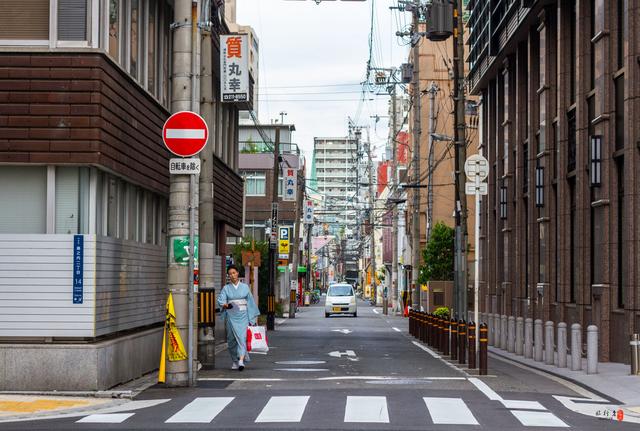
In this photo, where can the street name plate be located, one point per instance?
(473, 188)
(184, 166)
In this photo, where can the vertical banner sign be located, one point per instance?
(283, 248)
(308, 212)
(290, 184)
(234, 68)
(78, 269)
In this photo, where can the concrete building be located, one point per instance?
(437, 156)
(84, 92)
(560, 88)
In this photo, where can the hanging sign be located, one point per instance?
(308, 212)
(234, 68)
(290, 184)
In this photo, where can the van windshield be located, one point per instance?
(340, 291)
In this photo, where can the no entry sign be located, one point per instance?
(185, 133)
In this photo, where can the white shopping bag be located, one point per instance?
(257, 340)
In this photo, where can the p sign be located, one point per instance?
(185, 133)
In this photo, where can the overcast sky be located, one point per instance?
(313, 58)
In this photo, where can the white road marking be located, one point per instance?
(344, 331)
(366, 409)
(300, 362)
(201, 410)
(519, 404)
(185, 133)
(347, 353)
(112, 418)
(308, 370)
(134, 405)
(375, 311)
(396, 329)
(482, 387)
(231, 379)
(283, 409)
(451, 411)
(426, 349)
(538, 419)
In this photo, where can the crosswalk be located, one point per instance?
(357, 410)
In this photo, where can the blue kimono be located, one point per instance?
(238, 317)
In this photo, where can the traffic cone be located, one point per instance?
(406, 311)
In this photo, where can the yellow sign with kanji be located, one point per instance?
(284, 247)
(173, 348)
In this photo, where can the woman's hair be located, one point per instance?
(230, 267)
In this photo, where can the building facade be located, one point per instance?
(560, 87)
(84, 92)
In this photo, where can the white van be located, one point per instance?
(341, 299)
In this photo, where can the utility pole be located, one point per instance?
(415, 224)
(394, 212)
(296, 244)
(206, 334)
(273, 262)
(433, 90)
(183, 188)
(372, 220)
(461, 238)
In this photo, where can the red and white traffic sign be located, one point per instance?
(185, 133)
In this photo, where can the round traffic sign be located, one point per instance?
(476, 165)
(185, 133)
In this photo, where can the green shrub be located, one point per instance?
(442, 313)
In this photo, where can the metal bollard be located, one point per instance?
(519, 336)
(635, 354)
(592, 349)
(411, 323)
(537, 340)
(462, 342)
(440, 334)
(423, 327)
(576, 347)
(472, 345)
(528, 338)
(483, 350)
(503, 332)
(511, 334)
(454, 339)
(562, 345)
(445, 337)
(548, 343)
(428, 329)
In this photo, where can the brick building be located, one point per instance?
(560, 89)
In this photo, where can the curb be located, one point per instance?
(565, 378)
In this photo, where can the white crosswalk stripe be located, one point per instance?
(450, 411)
(201, 410)
(283, 409)
(357, 409)
(366, 409)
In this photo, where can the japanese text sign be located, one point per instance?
(234, 67)
(290, 184)
(78, 269)
(308, 212)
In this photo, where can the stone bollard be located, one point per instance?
(562, 345)
(576, 347)
(519, 336)
(503, 332)
(528, 338)
(592, 349)
(511, 334)
(537, 340)
(548, 343)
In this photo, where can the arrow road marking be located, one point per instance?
(185, 134)
(350, 354)
(344, 331)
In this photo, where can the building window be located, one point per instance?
(24, 199)
(621, 11)
(134, 16)
(595, 166)
(24, 20)
(592, 45)
(114, 29)
(70, 200)
(622, 234)
(619, 94)
(151, 48)
(503, 202)
(573, 42)
(539, 186)
(255, 183)
(571, 144)
(72, 20)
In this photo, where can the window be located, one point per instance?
(622, 8)
(134, 37)
(67, 202)
(151, 49)
(619, 94)
(571, 147)
(114, 29)
(255, 183)
(24, 20)
(72, 20)
(623, 269)
(24, 199)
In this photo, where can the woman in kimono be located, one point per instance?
(240, 310)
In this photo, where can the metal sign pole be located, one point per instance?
(192, 204)
(476, 275)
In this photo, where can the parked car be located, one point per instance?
(341, 299)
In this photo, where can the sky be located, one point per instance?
(313, 58)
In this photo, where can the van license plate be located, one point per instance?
(337, 308)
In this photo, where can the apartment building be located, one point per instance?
(84, 92)
(560, 86)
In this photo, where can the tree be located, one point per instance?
(438, 256)
(263, 271)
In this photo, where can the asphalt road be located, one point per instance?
(347, 373)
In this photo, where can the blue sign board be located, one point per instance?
(78, 271)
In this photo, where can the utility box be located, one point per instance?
(406, 73)
(439, 20)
